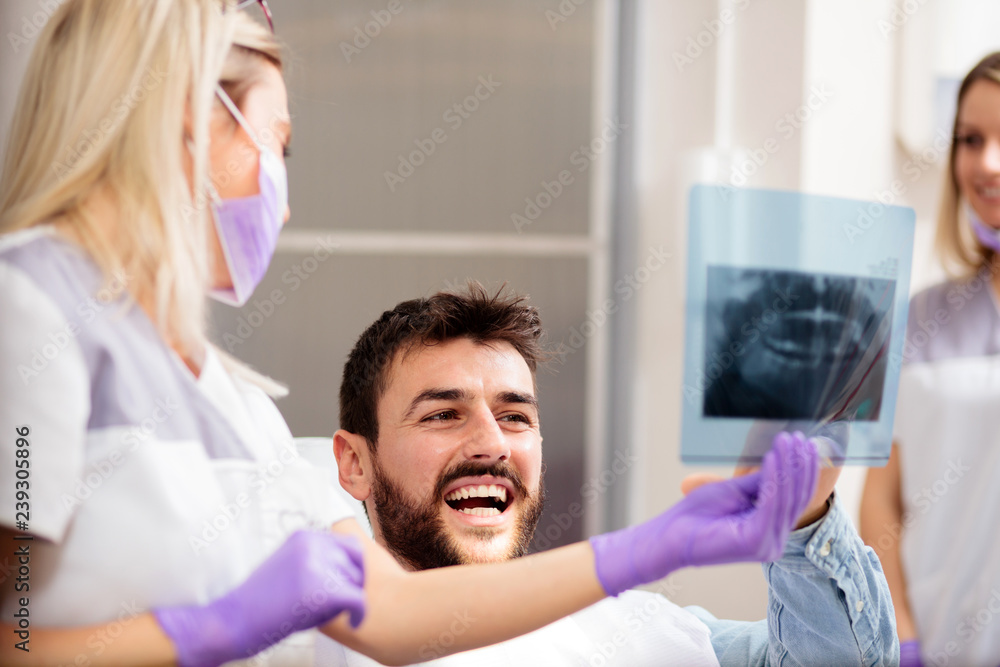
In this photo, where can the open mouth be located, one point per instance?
(480, 500)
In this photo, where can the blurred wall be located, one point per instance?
(19, 21)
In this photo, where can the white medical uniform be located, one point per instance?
(948, 430)
(148, 487)
(636, 629)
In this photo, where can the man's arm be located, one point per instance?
(828, 603)
(474, 605)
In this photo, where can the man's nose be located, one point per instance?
(485, 441)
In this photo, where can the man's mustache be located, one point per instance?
(501, 469)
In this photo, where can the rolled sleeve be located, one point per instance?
(828, 604)
(826, 568)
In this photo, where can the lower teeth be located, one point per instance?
(481, 511)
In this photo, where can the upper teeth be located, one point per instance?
(481, 491)
(991, 192)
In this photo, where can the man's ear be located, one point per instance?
(354, 463)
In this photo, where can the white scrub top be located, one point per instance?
(948, 431)
(148, 487)
(637, 629)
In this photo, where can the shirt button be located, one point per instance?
(824, 550)
(859, 606)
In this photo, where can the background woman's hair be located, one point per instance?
(960, 251)
(116, 98)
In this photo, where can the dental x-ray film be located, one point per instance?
(795, 315)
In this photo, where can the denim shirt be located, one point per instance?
(828, 604)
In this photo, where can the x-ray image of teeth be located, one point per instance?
(791, 345)
(795, 314)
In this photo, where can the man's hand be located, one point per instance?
(829, 473)
(744, 519)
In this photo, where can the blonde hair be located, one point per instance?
(108, 94)
(959, 250)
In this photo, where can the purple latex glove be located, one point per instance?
(309, 580)
(742, 519)
(909, 654)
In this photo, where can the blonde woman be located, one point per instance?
(154, 507)
(931, 513)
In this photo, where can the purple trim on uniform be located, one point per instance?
(135, 380)
(953, 320)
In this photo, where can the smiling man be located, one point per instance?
(441, 441)
(456, 476)
(437, 496)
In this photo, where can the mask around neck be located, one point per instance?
(987, 235)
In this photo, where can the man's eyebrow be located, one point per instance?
(518, 397)
(436, 394)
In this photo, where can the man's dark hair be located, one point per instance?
(473, 314)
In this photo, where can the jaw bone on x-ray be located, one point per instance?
(794, 321)
(789, 345)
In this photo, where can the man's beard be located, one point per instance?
(415, 531)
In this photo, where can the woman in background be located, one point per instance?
(932, 513)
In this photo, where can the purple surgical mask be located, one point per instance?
(987, 235)
(248, 227)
